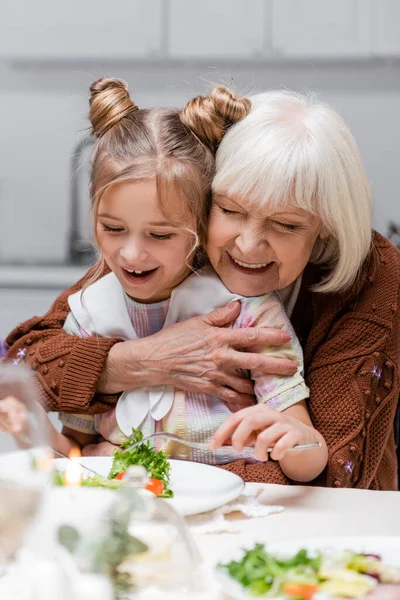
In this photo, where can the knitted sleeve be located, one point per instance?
(67, 367)
(354, 384)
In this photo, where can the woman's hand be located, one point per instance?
(264, 427)
(198, 355)
(100, 449)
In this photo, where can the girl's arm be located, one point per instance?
(265, 427)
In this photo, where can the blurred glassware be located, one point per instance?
(171, 559)
(23, 479)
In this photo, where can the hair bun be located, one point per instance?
(210, 116)
(109, 103)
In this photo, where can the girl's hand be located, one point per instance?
(14, 416)
(100, 449)
(198, 355)
(263, 427)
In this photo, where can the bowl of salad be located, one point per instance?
(315, 569)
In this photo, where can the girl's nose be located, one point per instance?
(134, 251)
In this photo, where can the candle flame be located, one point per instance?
(73, 474)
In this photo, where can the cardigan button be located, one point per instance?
(340, 461)
(29, 341)
(376, 354)
(53, 384)
(378, 399)
(388, 364)
(45, 370)
(61, 363)
(367, 414)
(352, 448)
(367, 392)
(362, 433)
(387, 385)
(337, 483)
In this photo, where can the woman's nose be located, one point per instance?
(248, 241)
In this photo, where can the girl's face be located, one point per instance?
(256, 250)
(141, 246)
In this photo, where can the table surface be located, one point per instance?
(308, 512)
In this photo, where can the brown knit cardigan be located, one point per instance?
(351, 345)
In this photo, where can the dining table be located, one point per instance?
(308, 512)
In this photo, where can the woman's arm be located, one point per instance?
(66, 366)
(87, 375)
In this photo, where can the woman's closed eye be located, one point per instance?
(226, 211)
(287, 226)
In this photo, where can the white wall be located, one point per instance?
(43, 110)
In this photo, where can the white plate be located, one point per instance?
(388, 549)
(197, 487)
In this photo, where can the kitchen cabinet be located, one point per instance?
(220, 29)
(322, 28)
(45, 29)
(386, 31)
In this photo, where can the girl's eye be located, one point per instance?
(286, 226)
(159, 236)
(112, 229)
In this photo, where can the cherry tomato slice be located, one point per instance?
(120, 475)
(155, 486)
(300, 590)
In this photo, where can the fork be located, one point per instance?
(204, 445)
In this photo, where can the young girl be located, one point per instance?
(150, 189)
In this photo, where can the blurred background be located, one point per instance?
(168, 51)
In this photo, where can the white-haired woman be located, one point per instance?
(291, 191)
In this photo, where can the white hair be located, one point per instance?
(292, 150)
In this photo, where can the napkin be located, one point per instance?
(248, 503)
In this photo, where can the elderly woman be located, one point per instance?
(305, 217)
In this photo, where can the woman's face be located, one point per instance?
(256, 250)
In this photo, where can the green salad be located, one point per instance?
(343, 574)
(154, 461)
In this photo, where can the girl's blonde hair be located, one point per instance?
(174, 147)
(293, 150)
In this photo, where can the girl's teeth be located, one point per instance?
(136, 272)
(242, 264)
